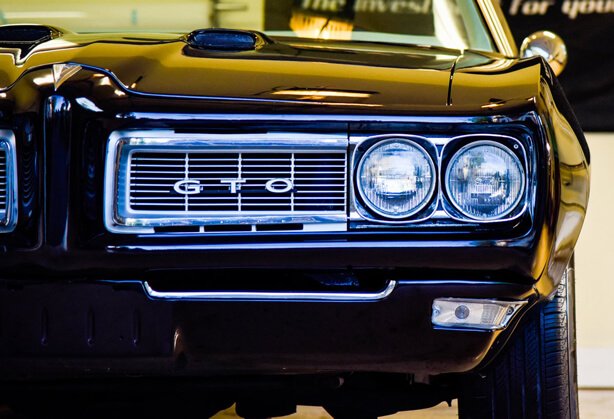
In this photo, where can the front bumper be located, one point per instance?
(95, 329)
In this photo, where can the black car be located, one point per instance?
(367, 209)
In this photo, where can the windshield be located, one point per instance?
(454, 24)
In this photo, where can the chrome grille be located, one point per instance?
(318, 179)
(165, 180)
(8, 182)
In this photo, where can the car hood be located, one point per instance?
(356, 77)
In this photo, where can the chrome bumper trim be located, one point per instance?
(268, 296)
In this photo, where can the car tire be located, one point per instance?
(535, 376)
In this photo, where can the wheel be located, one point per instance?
(536, 375)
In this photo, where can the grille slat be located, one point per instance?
(316, 178)
(319, 192)
(317, 182)
(156, 172)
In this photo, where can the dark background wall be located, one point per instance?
(587, 27)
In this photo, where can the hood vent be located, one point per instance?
(25, 37)
(225, 40)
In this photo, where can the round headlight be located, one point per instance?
(396, 178)
(485, 180)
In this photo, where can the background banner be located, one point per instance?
(398, 16)
(587, 27)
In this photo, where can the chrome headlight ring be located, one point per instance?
(396, 178)
(485, 180)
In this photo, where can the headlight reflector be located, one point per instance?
(485, 180)
(396, 178)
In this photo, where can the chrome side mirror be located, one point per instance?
(548, 45)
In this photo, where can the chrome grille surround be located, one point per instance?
(8, 182)
(160, 178)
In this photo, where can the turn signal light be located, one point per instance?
(480, 314)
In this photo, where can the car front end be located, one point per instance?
(298, 217)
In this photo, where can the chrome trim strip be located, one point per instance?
(299, 246)
(269, 296)
(8, 220)
(251, 142)
(303, 118)
(500, 31)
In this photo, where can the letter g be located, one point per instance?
(187, 187)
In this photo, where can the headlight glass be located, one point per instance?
(396, 178)
(485, 180)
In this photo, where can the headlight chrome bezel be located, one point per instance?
(445, 181)
(441, 149)
(374, 147)
(8, 217)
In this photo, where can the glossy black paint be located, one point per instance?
(61, 251)
(69, 332)
(57, 155)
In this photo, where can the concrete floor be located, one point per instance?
(594, 404)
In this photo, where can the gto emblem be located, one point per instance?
(193, 187)
(279, 185)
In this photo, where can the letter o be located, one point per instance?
(272, 187)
